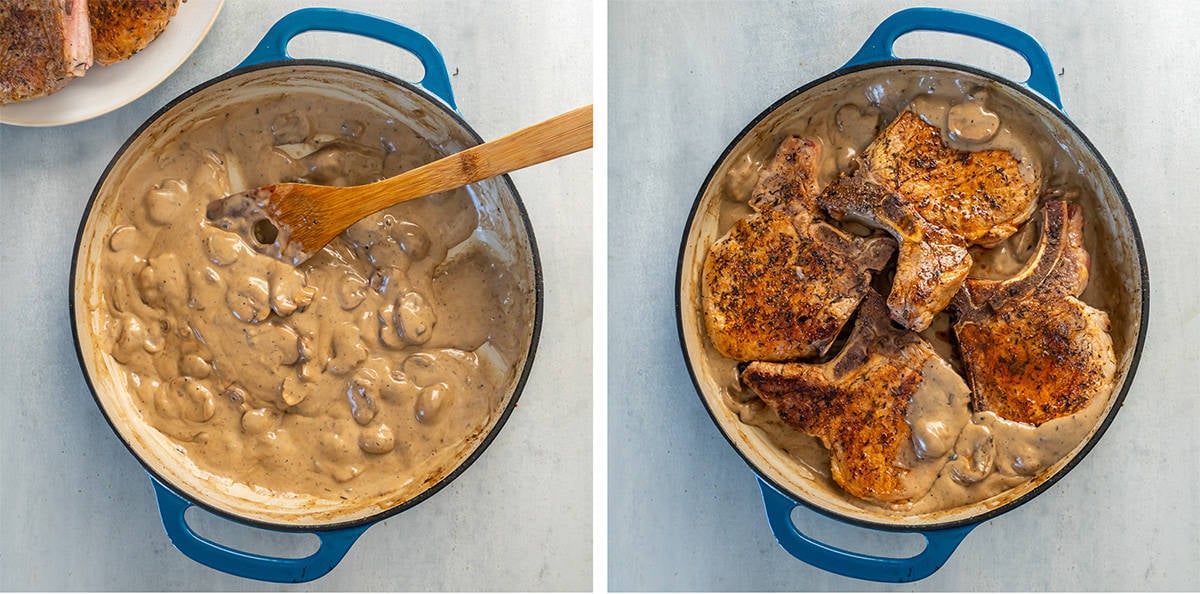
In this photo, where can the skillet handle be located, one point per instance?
(273, 46)
(878, 46)
(334, 545)
(939, 545)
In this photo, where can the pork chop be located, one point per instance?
(936, 200)
(43, 45)
(789, 182)
(780, 285)
(1033, 351)
(858, 406)
(121, 28)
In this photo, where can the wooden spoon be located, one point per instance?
(292, 221)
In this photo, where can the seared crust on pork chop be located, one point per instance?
(980, 196)
(1033, 352)
(780, 286)
(121, 28)
(857, 404)
(936, 200)
(43, 45)
(773, 294)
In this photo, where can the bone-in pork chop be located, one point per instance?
(1033, 351)
(858, 405)
(779, 285)
(121, 28)
(936, 200)
(43, 45)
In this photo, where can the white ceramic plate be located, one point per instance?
(105, 88)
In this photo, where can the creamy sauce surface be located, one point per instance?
(367, 369)
(966, 457)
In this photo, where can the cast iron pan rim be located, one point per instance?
(487, 440)
(1137, 351)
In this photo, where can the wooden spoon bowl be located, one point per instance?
(292, 221)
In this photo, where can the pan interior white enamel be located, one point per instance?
(312, 395)
(842, 114)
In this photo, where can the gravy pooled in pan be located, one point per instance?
(968, 389)
(362, 371)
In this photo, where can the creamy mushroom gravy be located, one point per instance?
(364, 371)
(974, 456)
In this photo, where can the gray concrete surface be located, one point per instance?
(684, 510)
(76, 509)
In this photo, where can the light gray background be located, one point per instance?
(76, 509)
(684, 509)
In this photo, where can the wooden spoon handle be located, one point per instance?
(556, 137)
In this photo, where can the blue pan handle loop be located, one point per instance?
(939, 545)
(273, 46)
(334, 544)
(878, 46)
